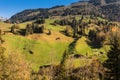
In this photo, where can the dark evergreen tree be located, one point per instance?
(113, 61)
(12, 29)
(92, 34)
(41, 29)
(29, 29)
(67, 31)
(97, 38)
(81, 26)
(74, 25)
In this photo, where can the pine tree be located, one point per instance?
(113, 61)
(12, 29)
(29, 29)
(74, 25)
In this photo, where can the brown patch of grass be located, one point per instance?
(55, 36)
(5, 26)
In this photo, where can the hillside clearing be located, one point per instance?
(38, 51)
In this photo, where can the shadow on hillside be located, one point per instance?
(93, 45)
(72, 45)
(22, 32)
(62, 31)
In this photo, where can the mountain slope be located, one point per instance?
(38, 49)
(110, 9)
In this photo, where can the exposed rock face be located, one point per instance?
(109, 8)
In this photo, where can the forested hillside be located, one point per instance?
(104, 8)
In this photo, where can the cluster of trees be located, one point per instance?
(79, 27)
(99, 34)
(95, 30)
(30, 29)
(34, 28)
(97, 38)
(76, 26)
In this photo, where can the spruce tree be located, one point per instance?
(74, 25)
(113, 61)
(29, 29)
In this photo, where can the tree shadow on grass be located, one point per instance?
(72, 45)
(22, 32)
(93, 45)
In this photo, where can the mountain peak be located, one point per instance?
(3, 19)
